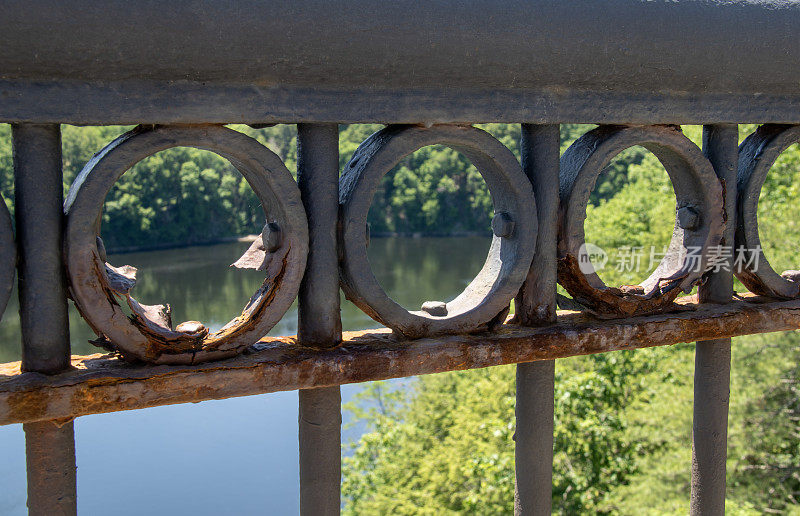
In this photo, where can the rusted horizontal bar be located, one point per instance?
(100, 384)
(538, 61)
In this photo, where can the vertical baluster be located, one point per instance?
(319, 320)
(49, 447)
(39, 200)
(536, 304)
(713, 357)
(50, 461)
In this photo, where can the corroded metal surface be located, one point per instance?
(366, 62)
(698, 227)
(757, 154)
(510, 253)
(100, 383)
(147, 332)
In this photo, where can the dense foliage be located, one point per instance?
(443, 443)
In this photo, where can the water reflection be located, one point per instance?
(415, 270)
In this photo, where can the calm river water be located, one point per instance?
(236, 456)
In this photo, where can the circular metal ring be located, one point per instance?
(698, 225)
(510, 253)
(147, 334)
(757, 154)
(8, 256)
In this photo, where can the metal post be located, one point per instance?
(536, 304)
(319, 320)
(39, 200)
(713, 357)
(50, 459)
(320, 422)
(49, 447)
(534, 438)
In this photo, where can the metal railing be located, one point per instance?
(629, 65)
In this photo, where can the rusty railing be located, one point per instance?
(428, 72)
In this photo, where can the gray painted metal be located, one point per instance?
(713, 357)
(536, 305)
(540, 153)
(533, 453)
(491, 291)
(757, 154)
(319, 433)
(712, 368)
(319, 321)
(51, 468)
(49, 445)
(719, 146)
(39, 219)
(438, 61)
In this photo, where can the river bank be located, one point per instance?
(251, 238)
(180, 245)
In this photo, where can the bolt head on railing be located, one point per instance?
(192, 328)
(435, 308)
(502, 225)
(688, 218)
(271, 236)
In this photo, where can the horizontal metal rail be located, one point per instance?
(537, 61)
(101, 383)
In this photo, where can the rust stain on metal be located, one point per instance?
(168, 346)
(102, 383)
(699, 219)
(612, 302)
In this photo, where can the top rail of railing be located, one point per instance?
(545, 61)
